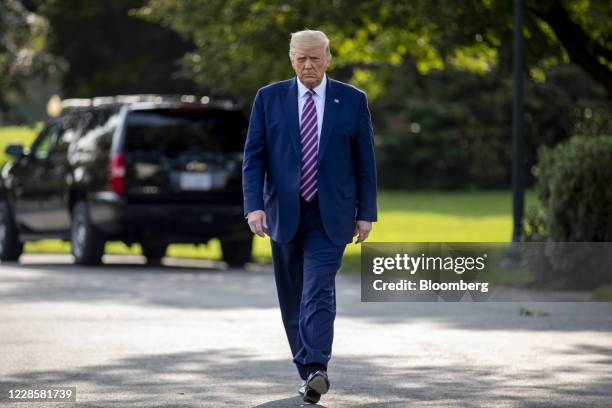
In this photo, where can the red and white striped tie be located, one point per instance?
(308, 131)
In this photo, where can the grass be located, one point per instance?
(603, 293)
(16, 134)
(403, 217)
(440, 217)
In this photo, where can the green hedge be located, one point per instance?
(575, 188)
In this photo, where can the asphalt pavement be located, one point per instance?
(196, 334)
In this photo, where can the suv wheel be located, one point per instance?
(87, 242)
(10, 246)
(154, 252)
(237, 252)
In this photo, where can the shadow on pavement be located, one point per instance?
(209, 287)
(233, 378)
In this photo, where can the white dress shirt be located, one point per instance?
(319, 100)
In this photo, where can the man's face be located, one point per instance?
(309, 65)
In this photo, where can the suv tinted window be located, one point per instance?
(69, 133)
(98, 128)
(44, 143)
(174, 131)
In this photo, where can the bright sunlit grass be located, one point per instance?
(16, 134)
(403, 217)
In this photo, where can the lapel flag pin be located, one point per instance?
(336, 100)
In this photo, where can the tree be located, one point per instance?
(23, 58)
(241, 44)
(108, 51)
(585, 36)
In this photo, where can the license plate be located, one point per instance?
(195, 181)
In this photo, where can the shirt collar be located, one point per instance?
(319, 89)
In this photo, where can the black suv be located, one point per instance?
(145, 169)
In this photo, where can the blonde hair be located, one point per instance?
(309, 39)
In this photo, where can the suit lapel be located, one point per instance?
(291, 112)
(332, 106)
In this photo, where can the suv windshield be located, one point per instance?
(173, 132)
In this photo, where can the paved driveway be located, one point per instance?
(192, 334)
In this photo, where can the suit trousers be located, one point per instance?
(305, 271)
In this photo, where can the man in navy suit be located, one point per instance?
(309, 182)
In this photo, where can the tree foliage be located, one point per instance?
(108, 51)
(22, 55)
(451, 129)
(242, 44)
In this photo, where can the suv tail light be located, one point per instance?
(116, 173)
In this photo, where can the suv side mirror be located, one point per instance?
(15, 150)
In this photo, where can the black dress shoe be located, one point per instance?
(316, 385)
(311, 396)
(318, 381)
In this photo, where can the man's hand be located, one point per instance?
(257, 221)
(362, 228)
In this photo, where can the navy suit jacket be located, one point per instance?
(346, 165)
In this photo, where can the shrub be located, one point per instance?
(575, 189)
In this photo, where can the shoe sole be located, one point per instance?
(311, 396)
(319, 383)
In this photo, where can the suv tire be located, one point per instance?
(10, 246)
(87, 242)
(154, 252)
(237, 252)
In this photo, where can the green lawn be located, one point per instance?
(440, 217)
(403, 217)
(16, 134)
(603, 293)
